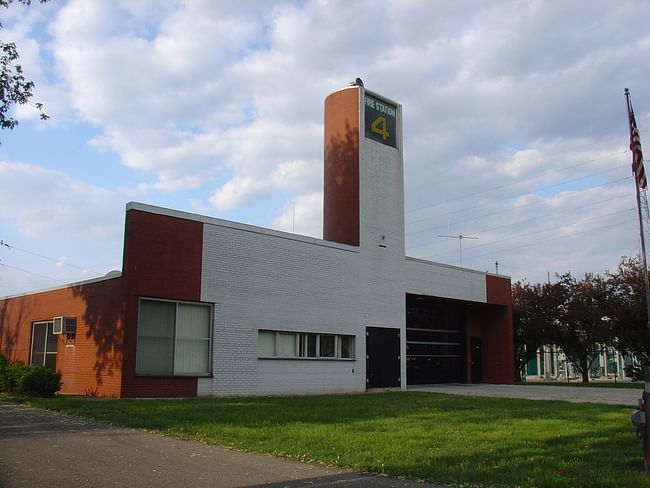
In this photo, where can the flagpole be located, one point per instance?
(646, 282)
(639, 172)
(643, 253)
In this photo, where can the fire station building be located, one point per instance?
(205, 306)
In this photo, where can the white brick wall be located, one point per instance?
(442, 280)
(381, 213)
(278, 281)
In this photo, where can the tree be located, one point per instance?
(629, 313)
(583, 324)
(582, 317)
(14, 87)
(533, 308)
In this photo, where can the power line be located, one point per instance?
(539, 202)
(492, 253)
(559, 210)
(58, 261)
(556, 238)
(521, 194)
(540, 231)
(607, 156)
(31, 273)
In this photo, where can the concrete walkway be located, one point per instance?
(42, 449)
(611, 396)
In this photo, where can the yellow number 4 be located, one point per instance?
(378, 126)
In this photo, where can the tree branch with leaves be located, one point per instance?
(15, 89)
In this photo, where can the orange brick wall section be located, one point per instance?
(341, 178)
(91, 362)
(162, 259)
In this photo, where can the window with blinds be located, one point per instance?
(174, 338)
(304, 345)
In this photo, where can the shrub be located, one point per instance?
(10, 376)
(39, 381)
(32, 380)
(3, 372)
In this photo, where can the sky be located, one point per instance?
(515, 125)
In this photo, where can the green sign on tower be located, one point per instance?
(381, 121)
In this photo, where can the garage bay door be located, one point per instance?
(435, 338)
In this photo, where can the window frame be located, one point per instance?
(49, 327)
(210, 339)
(302, 345)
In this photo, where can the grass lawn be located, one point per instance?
(461, 441)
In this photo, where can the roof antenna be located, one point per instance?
(460, 238)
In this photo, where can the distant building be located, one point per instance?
(205, 306)
(551, 364)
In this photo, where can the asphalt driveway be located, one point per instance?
(39, 448)
(574, 394)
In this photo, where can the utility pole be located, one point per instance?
(460, 238)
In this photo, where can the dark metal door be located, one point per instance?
(477, 360)
(382, 357)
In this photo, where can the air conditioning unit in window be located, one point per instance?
(64, 325)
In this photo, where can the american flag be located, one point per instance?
(637, 154)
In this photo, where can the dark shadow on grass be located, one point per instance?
(566, 460)
(354, 480)
(250, 412)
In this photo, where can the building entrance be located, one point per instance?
(435, 338)
(476, 359)
(382, 357)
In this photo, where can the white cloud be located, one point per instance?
(302, 215)
(507, 99)
(45, 204)
(189, 92)
(287, 176)
(59, 229)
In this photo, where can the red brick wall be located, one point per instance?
(341, 178)
(91, 362)
(162, 259)
(498, 342)
(498, 290)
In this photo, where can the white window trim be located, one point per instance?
(298, 335)
(210, 346)
(48, 327)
